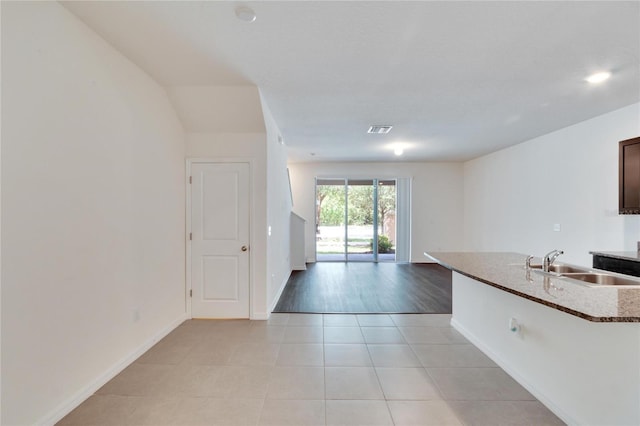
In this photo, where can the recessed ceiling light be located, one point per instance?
(598, 77)
(398, 151)
(380, 129)
(245, 13)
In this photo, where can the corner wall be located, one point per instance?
(278, 212)
(270, 203)
(93, 212)
(436, 200)
(513, 197)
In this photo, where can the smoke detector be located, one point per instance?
(380, 129)
(245, 13)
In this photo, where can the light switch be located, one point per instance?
(556, 227)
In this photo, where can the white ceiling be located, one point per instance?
(455, 79)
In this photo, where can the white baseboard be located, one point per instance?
(261, 316)
(274, 302)
(72, 403)
(513, 373)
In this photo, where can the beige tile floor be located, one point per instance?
(307, 369)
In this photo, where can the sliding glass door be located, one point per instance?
(355, 220)
(360, 220)
(331, 219)
(386, 202)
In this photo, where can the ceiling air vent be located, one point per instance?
(379, 129)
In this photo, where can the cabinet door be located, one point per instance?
(620, 266)
(629, 169)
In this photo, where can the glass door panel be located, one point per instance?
(360, 220)
(386, 220)
(356, 220)
(330, 219)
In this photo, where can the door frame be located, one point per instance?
(188, 284)
(403, 225)
(374, 185)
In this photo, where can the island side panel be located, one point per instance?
(585, 372)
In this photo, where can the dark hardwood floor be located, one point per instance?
(368, 288)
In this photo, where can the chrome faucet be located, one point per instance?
(527, 263)
(549, 258)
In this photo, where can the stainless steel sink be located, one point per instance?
(566, 269)
(587, 275)
(602, 279)
(561, 269)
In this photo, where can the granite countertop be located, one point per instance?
(624, 255)
(506, 271)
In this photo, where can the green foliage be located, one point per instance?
(384, 245)
(361, 205)
(330, 204)
(386, 200)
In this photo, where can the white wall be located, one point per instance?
(436, 200)
(513, 197)
(0, 239)
(218, 109)
(585, 372)
(93, 212)
(250, 147)
(278, 211)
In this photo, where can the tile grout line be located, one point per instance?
(427, 371)
(375, 370)
(324, 372)
(435, 384)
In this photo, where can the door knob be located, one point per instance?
(244, 248)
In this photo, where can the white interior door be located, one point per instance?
(220, 240)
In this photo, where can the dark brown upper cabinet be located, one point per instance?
(629, 170)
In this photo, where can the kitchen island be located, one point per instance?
(576, 347)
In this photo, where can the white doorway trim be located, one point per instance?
(188, 171)
(403, 219)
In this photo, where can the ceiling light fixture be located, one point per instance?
(245, 13)
(380, 129)
(598, 77)
(398, 151)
